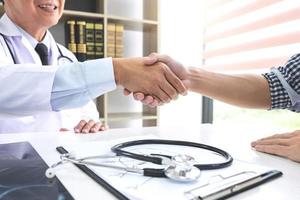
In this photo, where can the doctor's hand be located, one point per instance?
(286, 145)
(177, 68)
(87, 127)
(156, 80)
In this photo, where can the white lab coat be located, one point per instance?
(13, 84)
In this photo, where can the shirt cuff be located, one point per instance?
(279, 97)
(99, 76)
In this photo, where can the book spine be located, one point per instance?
(90, 40)
(80, 40)
(99, 40)
(70, 36)
(119, 51)
(111, 40)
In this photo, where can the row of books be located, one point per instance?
(86, 39)
(115, 46)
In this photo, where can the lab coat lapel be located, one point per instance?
(8, 28)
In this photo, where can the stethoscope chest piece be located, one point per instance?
(182, 169)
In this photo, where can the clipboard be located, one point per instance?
(223, 188)
(96, 178)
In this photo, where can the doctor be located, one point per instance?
(32, 94)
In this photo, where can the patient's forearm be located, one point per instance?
(245, 90)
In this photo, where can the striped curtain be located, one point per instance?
(250, 34)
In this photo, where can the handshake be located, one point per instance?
(154, 80)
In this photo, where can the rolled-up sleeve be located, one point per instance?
(291, 73)
(75, 84)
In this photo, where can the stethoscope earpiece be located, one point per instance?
(50, 172)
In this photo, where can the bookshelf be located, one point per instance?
(140, 19)
(141, 37)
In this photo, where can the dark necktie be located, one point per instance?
(42, 50)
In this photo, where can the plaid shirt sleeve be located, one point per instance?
(291, 73)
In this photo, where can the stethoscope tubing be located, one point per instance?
(83, 161)
(9, 49)
(118, 150)
(60, 57)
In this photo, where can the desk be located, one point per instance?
(234, 140)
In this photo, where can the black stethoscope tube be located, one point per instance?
(10, 51)
(118, 150)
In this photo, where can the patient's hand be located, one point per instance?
(87, 127)
(285, 145)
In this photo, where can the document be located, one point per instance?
(212, 184)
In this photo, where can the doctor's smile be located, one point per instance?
(53, 7)
(48, 7)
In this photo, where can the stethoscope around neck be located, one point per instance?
(62, 59)
(182, 168)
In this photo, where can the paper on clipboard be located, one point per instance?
(137, 187)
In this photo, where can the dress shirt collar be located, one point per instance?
(7, 27)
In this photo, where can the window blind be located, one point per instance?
(250, 34)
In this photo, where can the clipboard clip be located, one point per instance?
(220, 187)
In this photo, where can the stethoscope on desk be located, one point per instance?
(62, 59)
(180, 167)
